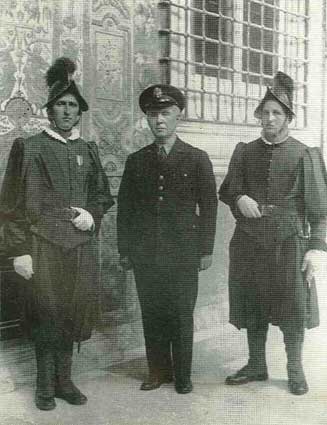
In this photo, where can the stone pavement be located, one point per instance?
(115, 399)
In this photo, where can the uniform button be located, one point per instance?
(160, 187)
(160, 198)
(161, 177)
(185, 175)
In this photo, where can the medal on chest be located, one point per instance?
(79, 160)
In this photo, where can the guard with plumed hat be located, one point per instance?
(282, 92)
(60, 81)
(53, 198)
(276, 188)
(166, 222)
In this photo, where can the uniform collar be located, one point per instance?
(277, 143)
(74, 136)
(167, 146)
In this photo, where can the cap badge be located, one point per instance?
(157, 92)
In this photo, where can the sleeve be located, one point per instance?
(207, 202)
(99, 196)
(233, 185)
(125, 210)
(16, 235)
(315, 197)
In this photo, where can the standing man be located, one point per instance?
(53, 198)
(276, 189)
(167, 207)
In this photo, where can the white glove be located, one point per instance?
(312, 263)
(84, 221)
(248, 207)
(23, 266)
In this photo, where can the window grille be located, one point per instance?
(223, 54)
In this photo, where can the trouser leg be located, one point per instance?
(256, 368)
(65, 388)
(257, 349)
(151, 288)
(45, 380)
(293, 339)
(182, 348)
(63, 365)
(184, 290)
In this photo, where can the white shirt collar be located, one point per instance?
(74, 136)
(270, 143)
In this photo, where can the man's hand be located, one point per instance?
(125, 263)
(311, 263)
(84, 221)
(248, 207)
(23, 266)
(205, 262)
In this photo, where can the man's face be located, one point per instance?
(273, 118)
(65, 112)
(163, 122)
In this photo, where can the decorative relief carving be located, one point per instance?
(146, 65)
(111, 118)
(111, 69)
(101, 6)
(71, 34)
(146, 70)
(25, 49)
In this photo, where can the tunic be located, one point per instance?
(44, 178)
(288, 180)
(167, 211)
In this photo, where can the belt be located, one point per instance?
(267, 210)
(64, 214)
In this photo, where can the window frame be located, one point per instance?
(242, 95)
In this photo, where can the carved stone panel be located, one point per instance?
(111, 119)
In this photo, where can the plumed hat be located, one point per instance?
(282, 91)
(160, 96)
(59, 78)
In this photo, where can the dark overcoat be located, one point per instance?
(44, 178)
(167, 211)
(288, 180)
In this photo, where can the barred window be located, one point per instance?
(223, 54)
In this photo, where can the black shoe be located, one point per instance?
(298, 387)
(154, 382)
(44, 403)
(184, 388)
(72, 395)
(245, 375)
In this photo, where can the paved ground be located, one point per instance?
(114, 397)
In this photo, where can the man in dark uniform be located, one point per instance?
(54, 195)
(166, 227)
(276, 189)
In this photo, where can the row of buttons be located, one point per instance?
(161, 188)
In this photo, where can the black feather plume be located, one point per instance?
(284, 83)
(62, 70)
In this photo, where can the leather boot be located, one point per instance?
(45, 381)
(256, 368)
(64, 387)
(293, 339)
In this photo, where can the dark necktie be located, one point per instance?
(162, 155)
